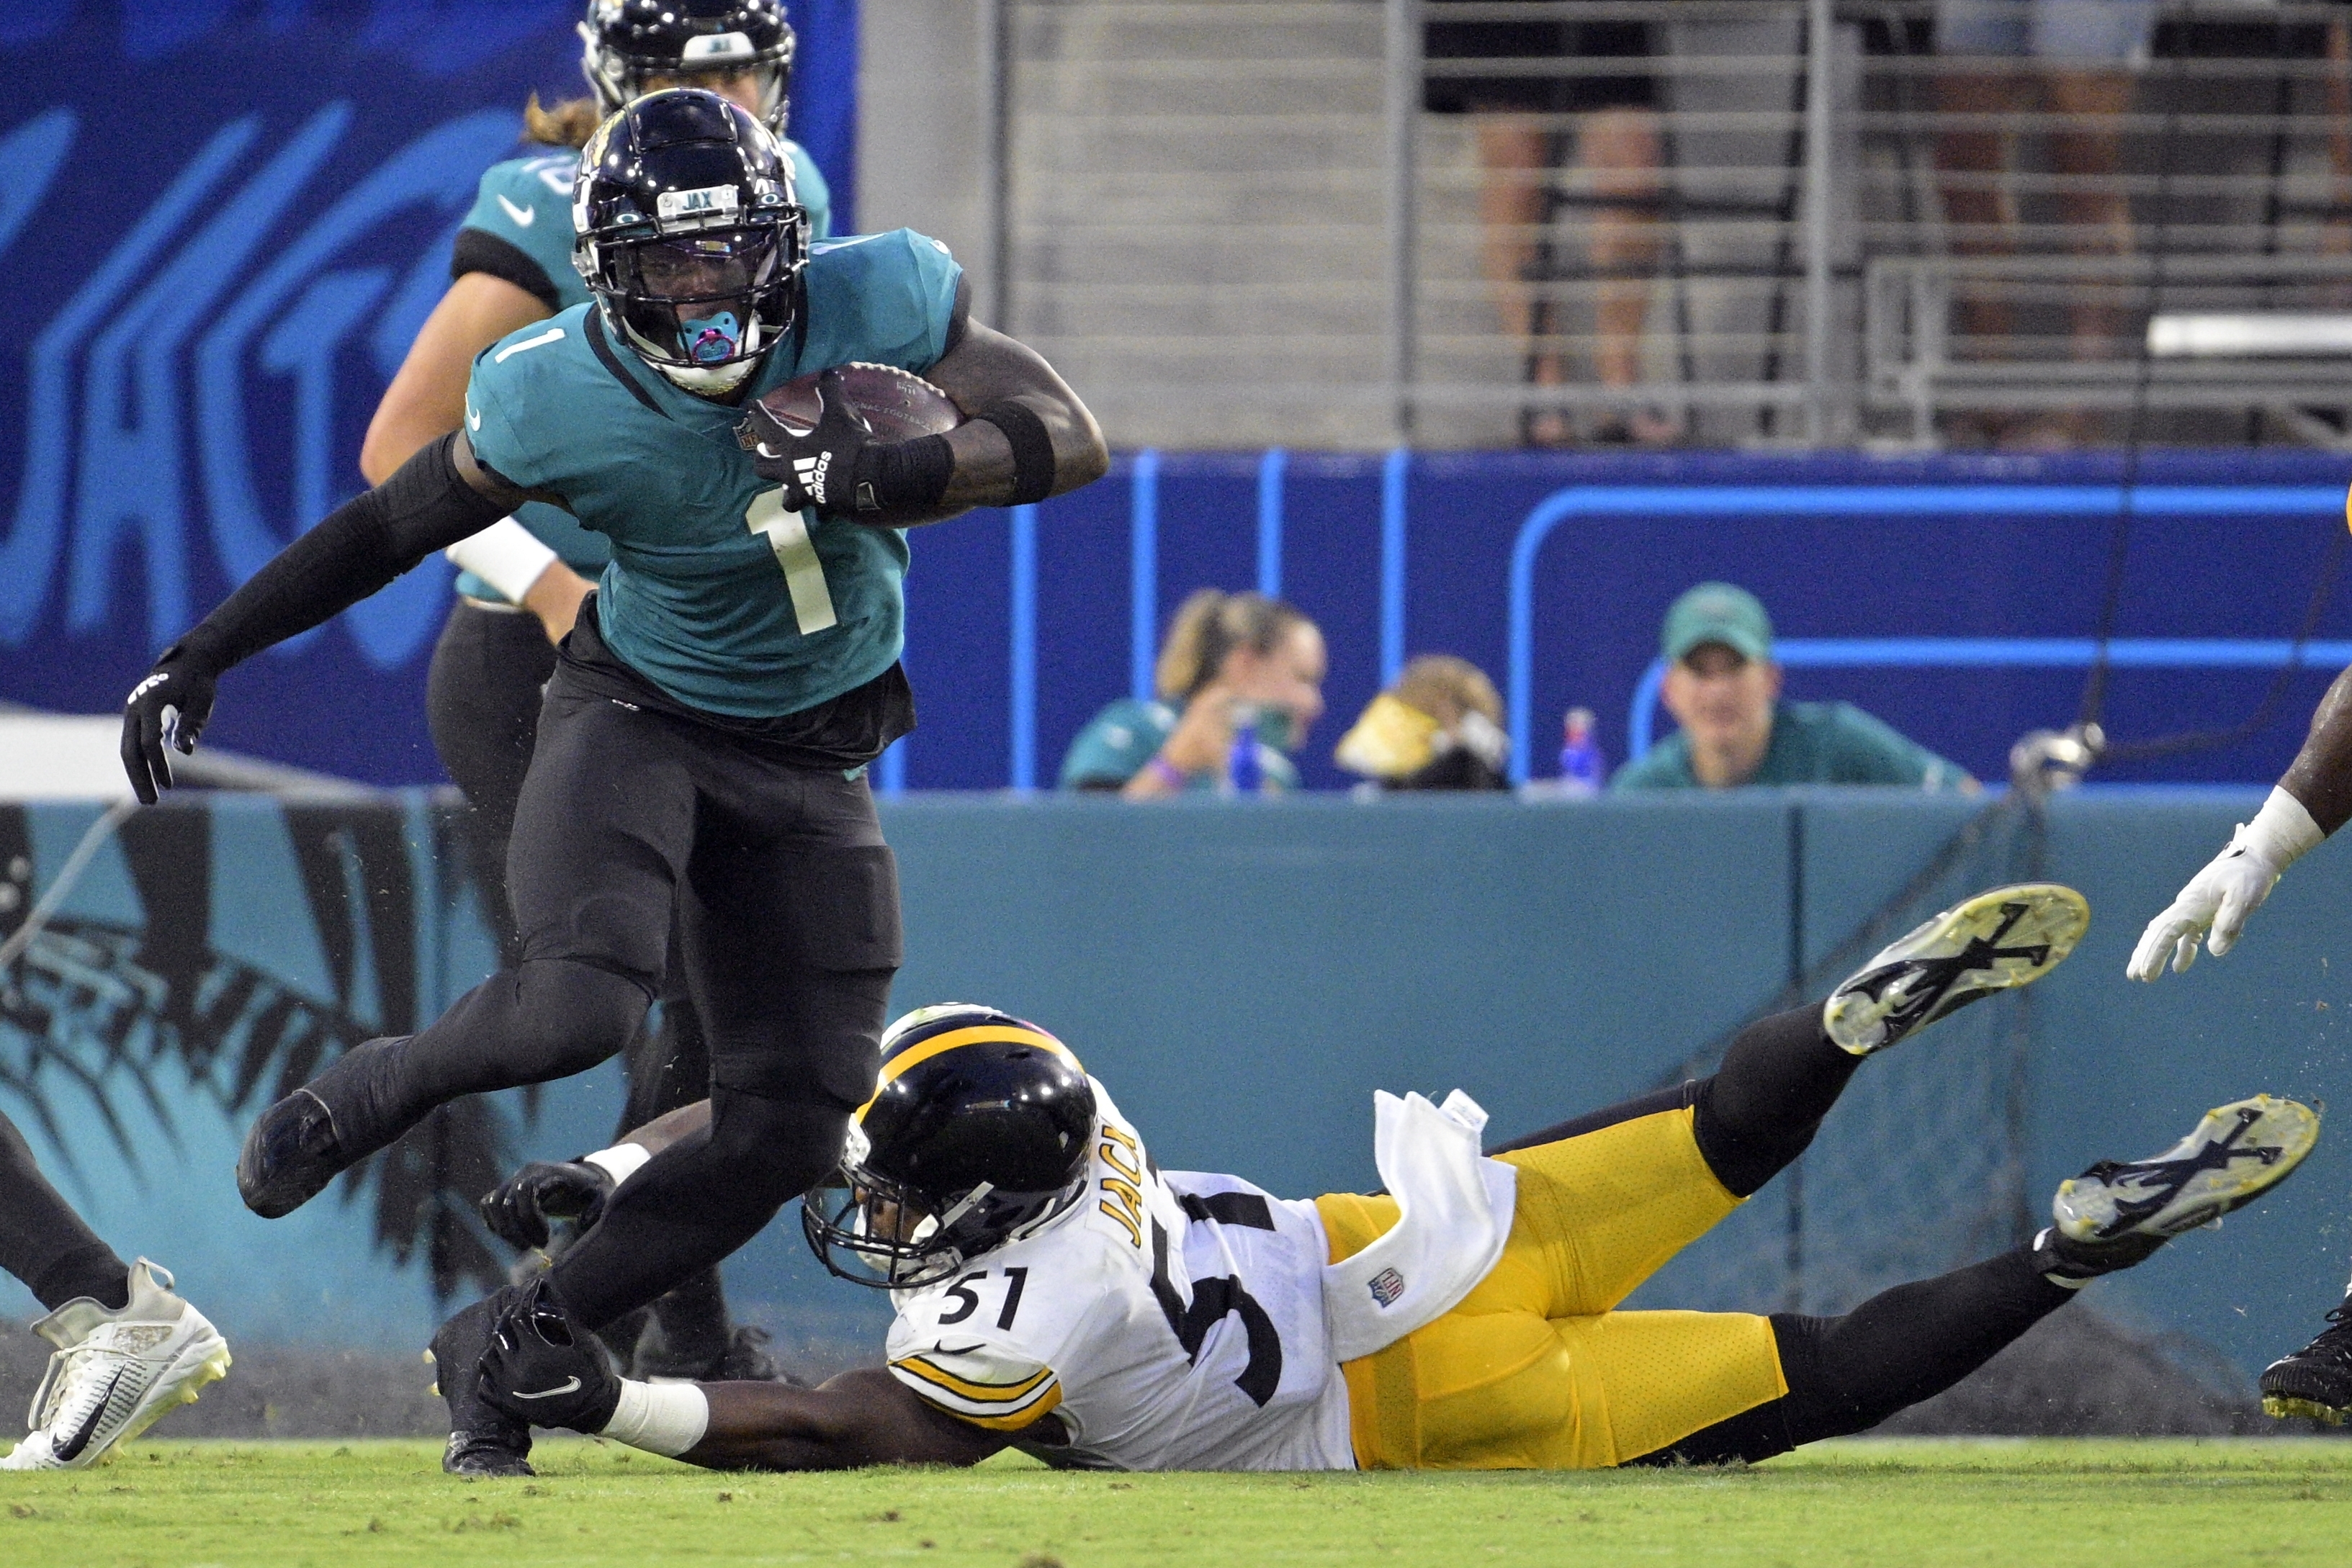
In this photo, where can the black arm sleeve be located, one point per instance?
(361, 545)
(958, 315)
(478, 252)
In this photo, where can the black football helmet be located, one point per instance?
(690, 235)
(631, 43)
(976, 1135)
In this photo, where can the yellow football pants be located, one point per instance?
(1534, 1370)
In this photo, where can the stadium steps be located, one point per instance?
(1198, 198)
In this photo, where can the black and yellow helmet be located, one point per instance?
(976, 1134)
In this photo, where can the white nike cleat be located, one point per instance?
(2237, 1153)
(2009, 936)
(115, 1373)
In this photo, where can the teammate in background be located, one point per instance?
(2310, 801)
(1230, 661)
(1056, 1291)
(707, 731)
(129, 1350)
(523, 579)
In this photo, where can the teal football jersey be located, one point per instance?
(715, 592)
(527, 203)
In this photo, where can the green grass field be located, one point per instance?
(2144, 1504)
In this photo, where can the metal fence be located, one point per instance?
(1348, 223)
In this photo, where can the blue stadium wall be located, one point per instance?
(222, 222)
(1243, 976)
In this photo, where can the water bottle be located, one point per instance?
(1244, 774)
(1582, 770)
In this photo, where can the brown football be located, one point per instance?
(897, 405)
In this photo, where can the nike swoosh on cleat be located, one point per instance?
(570, 1386)
(70, 1450)
(523, 216)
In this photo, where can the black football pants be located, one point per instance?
(482, 699)
(44, 1243)
(788, 918)
(1751, 1117)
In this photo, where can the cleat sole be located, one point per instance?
(2237, 1153)
(2024, 930)
(2284, 1407)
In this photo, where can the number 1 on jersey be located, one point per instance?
(787, 534)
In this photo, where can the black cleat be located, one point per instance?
(314, 1135)
(483, 1441)
(748, 1361)
(289, 1155)
(2067, 1261)
(2315, 1381)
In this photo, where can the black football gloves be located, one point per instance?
(545, 1190)
(164, 712)
(540, 1369)
(838, 469)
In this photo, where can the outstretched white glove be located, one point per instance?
(2232, 886)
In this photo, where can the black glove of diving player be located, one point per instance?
(539, 1368)
(164, 712)
(519, 1211)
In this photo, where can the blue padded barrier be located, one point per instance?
(1242, 976)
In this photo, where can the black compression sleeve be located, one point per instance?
(958, 317)
(362, 545)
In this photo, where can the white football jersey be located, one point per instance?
(1172, 1321)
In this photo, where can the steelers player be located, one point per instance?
(2310, 802)
(706, 732)
(522, 580)
(1056, 1291)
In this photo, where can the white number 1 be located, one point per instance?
(787, 534)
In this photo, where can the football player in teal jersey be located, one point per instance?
(525, 576)
(705, 737)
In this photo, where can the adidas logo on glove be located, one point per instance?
(810, 472)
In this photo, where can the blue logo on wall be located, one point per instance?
(147, 392)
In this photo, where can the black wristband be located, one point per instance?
(1033, 450)
(904, 475)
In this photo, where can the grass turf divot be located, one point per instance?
(2157, 1504)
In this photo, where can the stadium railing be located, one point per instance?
(1235, 222)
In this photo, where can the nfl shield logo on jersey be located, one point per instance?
(1387, 1286)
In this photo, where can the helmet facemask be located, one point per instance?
(704, 308)
(899, 1238)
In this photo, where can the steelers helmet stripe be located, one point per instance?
(940, 1044)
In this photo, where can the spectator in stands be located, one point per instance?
(1232, 661)
(1724, 689)
(1520, 144)
(2086, 51)
(1440, 727)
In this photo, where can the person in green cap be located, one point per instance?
(1724, 689)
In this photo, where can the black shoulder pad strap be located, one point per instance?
(602, 347)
